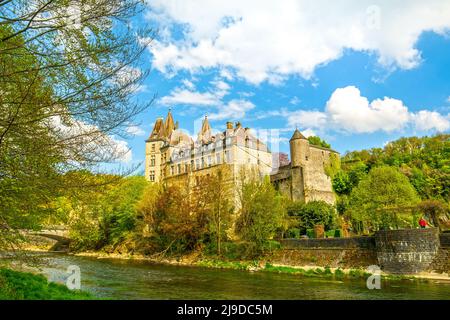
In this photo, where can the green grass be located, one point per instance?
(16, 285)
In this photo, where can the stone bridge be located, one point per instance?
(60, 235)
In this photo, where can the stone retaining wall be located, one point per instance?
(395, 251)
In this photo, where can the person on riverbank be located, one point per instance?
(423, 223)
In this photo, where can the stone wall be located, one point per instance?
(397, 251)
(407, 251)
(330, 243)
(355, 252)
(441, 262)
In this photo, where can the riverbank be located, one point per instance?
(262, 265)
(19, 285)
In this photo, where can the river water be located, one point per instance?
(125, 279)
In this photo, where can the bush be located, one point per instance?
(311, 214)
(330, 233)
(236, 250)
(293, 233)
(310, 233)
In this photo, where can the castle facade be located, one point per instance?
(173, 156)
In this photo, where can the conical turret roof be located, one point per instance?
(205, 132)
(169, 126)
(157, 128)
(297, 135)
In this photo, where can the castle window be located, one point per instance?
(152, 161)
(203, 162)
(186, 167)
(209, 161)
(218, 158)
(228, 156)
(179, 168)
(197, 164)
(306, 158)
(152, 175)
(172, 170)
(153, 147)
(192, 165)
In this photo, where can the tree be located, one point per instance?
(218, 194)
(435, 210)
(311, 214)
(382, 198)
(66, 83)
(341, 183)
(317, 141)
(262, 212)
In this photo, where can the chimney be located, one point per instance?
(229, 125)
(238, 125)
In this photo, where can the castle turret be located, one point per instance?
(205, 133)
(299, 147)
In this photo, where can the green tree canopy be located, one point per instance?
(262, 212)
(317, 141)
(381, 197)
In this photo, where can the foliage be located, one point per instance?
(437, 211)
(103, 216)
(262, 212)
(383, 199)
(312, 213)
(293, 233)
(425, 161)
(118, 208)
(341, 183)
(180, 218)
(15, 285)
(65, 89)
(317, 141)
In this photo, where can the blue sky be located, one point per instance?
(358, 75)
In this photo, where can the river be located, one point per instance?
(125, 279)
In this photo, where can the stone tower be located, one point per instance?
(154, 157)
(299, 147)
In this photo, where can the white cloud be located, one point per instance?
(135, 130)
(188, 97)
(234, 109)
(81, 137)
(269, 40)
(308, 133)
(347, 110)
(314, 119)
(188, 84)
(294, 101)
(430, 120)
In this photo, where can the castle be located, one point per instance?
(305, 178)
(172, 155)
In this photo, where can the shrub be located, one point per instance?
(310, 233)
(312, 213)
(293, 233)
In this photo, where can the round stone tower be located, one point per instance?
(299, 146)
